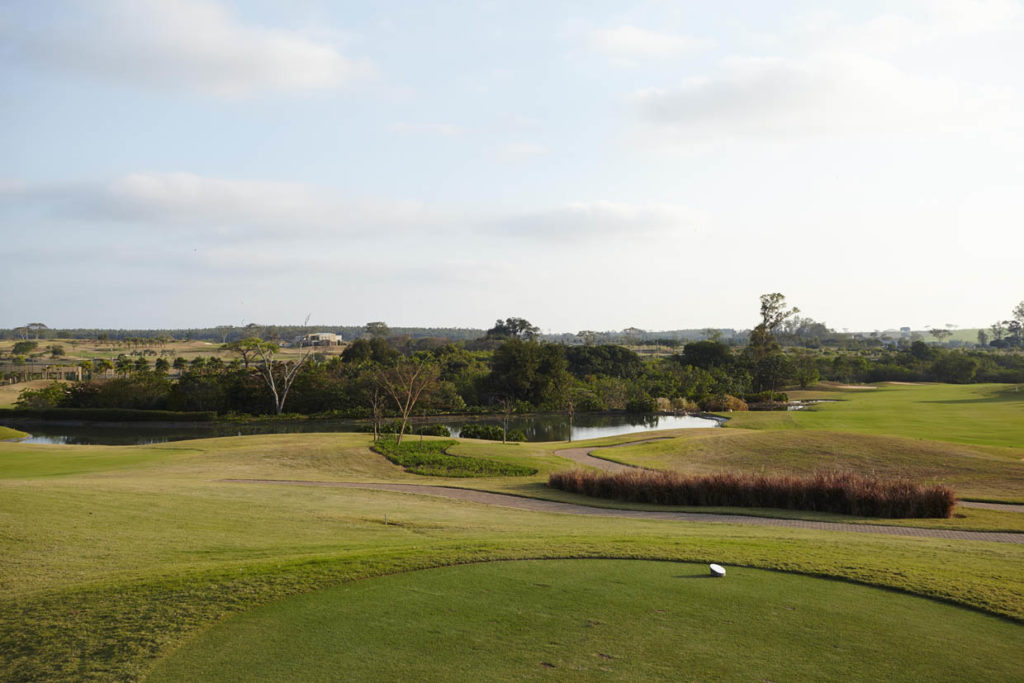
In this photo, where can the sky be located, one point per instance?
(584, 165)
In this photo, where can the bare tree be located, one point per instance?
(405, 383)
(508, 406)
(277, 375)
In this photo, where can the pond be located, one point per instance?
(542, 427)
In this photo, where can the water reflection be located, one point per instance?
(552, 427)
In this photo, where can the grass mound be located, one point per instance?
(836, 492)
(600, 620)
(429, 458)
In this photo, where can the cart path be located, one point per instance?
(583, 456)
(538, 505)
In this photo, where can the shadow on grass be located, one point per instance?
(1013, 394)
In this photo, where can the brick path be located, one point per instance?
(537, 505)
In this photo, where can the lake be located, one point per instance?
(541, 427)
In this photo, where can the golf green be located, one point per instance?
(615, 619)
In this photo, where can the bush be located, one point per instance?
(433, 430)
(842, 493)
(767, 397)
(641, 404)
(112, 415)
(478, 431)
(23, 347)
(431, 459)
(725, 404)
(48, 397)
(684, 405)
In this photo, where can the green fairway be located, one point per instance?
(8, 433)
(983, 472)
(113, 557)
(621, 620)
(982, 414)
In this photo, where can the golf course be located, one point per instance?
(315, 557)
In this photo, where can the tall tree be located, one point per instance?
(513, 328)
(406, 383)
(377, 330)
(277, 375)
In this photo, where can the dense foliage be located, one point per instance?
(520, 375)
(431, 458)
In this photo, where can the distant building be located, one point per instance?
(320, 339)
(904, 332)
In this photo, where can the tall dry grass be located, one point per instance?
(838, 492)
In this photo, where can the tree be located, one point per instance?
(940, 333)
(513, 328)
(162, 366)
(103, 365)
(278, 376)
(36, 327)
(769, 362)
(377, 330)
(405, 383)
(23, 347)
(56, 350)
(87, 367)
(774, 311)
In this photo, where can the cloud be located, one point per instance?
(219, 212)
(443, 129)
(181, 44)
(626, 43)
(821, 95)
(891, 74)
(516, 152)
(601, 219)
(220, 206)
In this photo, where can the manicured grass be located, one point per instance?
(8, 433)
(623, 620)
(111, 557)
(982, 414)
(978, 472)
(431, 458)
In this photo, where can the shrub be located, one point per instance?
(479, 431)
(433, 430)
(725, 404)
(431, 458)
(641, 404)
(684, 405)
(48, 397)
(112, 415)
(842, 493)
(767, 397)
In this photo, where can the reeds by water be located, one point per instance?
(837, 492)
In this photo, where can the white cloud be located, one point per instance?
(626, 43)
(602, 219)
(515, 152)
(442, 129)
(823, 95)
(919, 71)
(186, 44)
(218, 212)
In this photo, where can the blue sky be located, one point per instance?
(586, 165)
